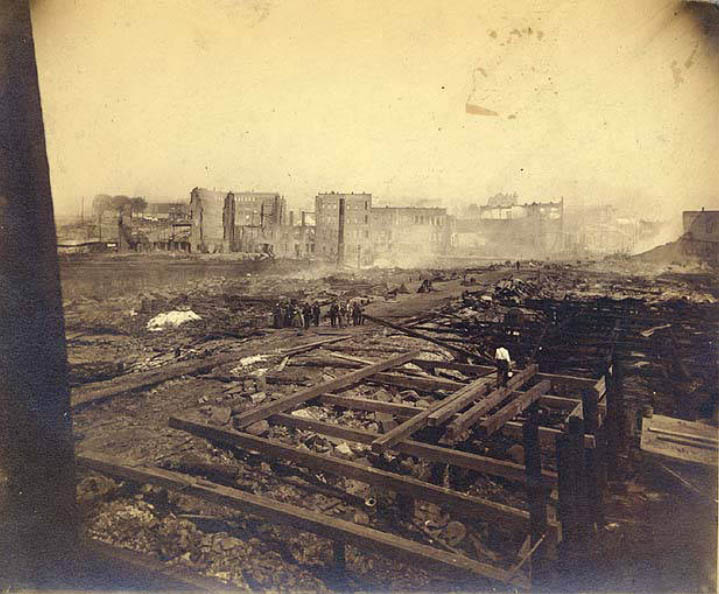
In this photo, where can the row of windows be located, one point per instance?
(350, 205)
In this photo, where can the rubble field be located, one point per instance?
(564, 318)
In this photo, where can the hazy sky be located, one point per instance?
(594, 100)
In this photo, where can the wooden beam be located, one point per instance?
(572, 382)
(513, 408)
(313, 345)
(465, 368)
(400, 410)
(483, 464)
(265, 410)
(465, 505)
(368, 539)
(423, 384)
(468, 418)
(459, 400)
(406, 429)
(100, 391)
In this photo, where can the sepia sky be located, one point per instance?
(611, 100)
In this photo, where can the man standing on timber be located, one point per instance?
(503, 361)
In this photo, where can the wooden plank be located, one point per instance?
(572, 382)
(559, 402)
(460, 399)
(406, 429)
(569, 381)
(400, 410)
(469, 507)
(100, 391)
(313, 345)
(513, 408)
(483, 464)
(688, 436)
(465, 368)
(265, 410)
(423, 384)
(468, 418)
(368, 539)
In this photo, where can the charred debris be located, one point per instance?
(385, 454)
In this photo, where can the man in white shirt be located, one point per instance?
(503, 361)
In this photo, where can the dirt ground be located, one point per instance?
(657, 537)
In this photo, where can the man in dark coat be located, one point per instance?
(316, 313)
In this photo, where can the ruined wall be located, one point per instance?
(213, 221)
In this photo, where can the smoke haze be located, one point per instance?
(609, 101)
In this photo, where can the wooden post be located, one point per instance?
(36, 449)
(533, 467)
(338, 570)
(577, 457)
(593, 458)
(611, 429)
(536, 492)
(620, 420)
(567, 496)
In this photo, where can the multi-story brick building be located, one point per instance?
(355, 243)
(259, 208)
(406, 229)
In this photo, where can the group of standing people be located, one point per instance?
(292, 314)
(340, 313)
(296, 315)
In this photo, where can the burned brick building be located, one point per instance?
(343, 227)
(219, 220)
(410, 230)
(250, 222)
(510, 230)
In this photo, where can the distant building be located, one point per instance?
(509, 230)
(172, 211)
(701, 234)
(701, 225)
(253, 222)
(356, 241)
(397, 230)
(259, 208)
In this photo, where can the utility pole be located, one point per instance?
(39, 514)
